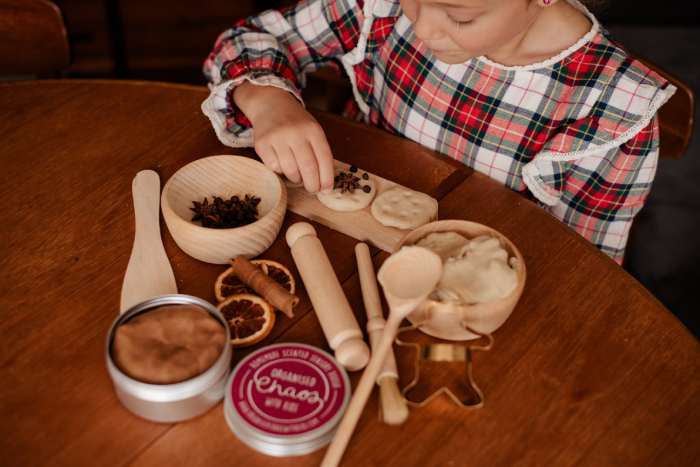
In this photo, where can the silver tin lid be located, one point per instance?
(286, 399)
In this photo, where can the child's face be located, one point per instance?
(458, 30)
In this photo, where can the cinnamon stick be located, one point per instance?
(265, 286)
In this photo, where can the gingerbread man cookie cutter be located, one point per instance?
(441, 352)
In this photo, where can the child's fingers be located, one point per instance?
(268, 156)
(308, 167)
(288, 163)
(324, 161)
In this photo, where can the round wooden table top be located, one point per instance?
(590, 369)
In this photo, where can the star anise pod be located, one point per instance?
(215, 222)
(226, 214)
(347, 182)
(250, 204)
(202, 209)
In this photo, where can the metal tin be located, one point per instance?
(171, 402)
(286, 399)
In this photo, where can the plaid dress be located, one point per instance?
(576, 134)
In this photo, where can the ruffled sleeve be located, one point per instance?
(276, 48)
(596, 172)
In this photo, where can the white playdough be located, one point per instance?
(404, 208)
(445, 244)
(477, 272)
(349, 201)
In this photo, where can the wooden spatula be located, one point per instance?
(149, 272)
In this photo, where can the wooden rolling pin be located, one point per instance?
(332, 308)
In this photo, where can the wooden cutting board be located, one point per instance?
(358, 224)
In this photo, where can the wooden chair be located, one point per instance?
(675, 116)
(33, 38)
(675, 129)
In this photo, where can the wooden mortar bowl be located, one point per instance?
(443, 320)
(223, 176)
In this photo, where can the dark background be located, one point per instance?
(168, 40)
(649, 12)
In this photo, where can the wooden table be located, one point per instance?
(590, 369)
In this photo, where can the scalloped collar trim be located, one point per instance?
(558, 58)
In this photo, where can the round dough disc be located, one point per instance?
(404, 208)
(349, 201)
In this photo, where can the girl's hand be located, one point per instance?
(287, 138)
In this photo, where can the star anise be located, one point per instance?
(250, 204)
(226, 214)
(202, 209)
(213, 221)
(347, 182)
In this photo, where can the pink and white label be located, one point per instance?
(288, 389)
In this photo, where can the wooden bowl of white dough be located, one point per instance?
(223, 176)
(445, 320)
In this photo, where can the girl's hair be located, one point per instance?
(595, 6)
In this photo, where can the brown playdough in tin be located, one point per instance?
(168, 344)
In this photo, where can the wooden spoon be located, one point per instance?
(407, 277)
(149, 272)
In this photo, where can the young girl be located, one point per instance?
(533, 93)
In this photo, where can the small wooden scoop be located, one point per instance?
(392, 408)
(149, 272)
(407, 277)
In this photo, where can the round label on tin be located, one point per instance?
(288, 389)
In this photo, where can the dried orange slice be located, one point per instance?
(228, 284)
(249, 317)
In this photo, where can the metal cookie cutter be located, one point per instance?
(444, 353)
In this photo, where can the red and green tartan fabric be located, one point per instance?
(577, 133)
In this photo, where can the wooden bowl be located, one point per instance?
(223, 176)
(443, 320)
